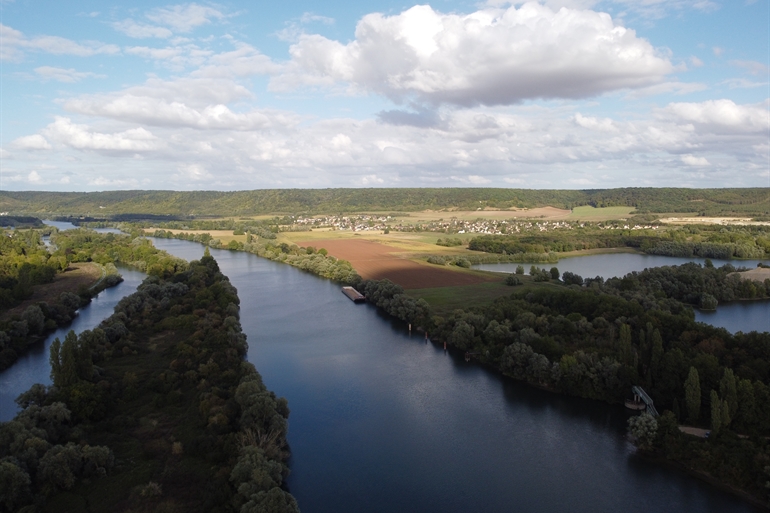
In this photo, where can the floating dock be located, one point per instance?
(353, 294)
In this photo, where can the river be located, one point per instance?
(382, 420)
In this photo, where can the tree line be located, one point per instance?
(752, 201)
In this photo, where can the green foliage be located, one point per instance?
(692, 395)
(752, 201)
(512, 280)
(643, 428)
(449, 242)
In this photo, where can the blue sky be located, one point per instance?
(232, 95)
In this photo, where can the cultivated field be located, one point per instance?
(589, 213)
(376, 261)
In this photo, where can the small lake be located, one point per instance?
(737, 316)
(610, 265)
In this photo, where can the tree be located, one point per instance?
(625, 350)
(14, 486)
(657, 354)
(643, 428)
(728, 390)
(692, 395)
(555, 273)
(716, 413)
(519, 269)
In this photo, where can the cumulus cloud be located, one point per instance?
(691, 160)
(721, 116)
(31, 142)
(153, 111)
(15, 43)
(80, 137)
(592, 123)
(535, 147)
(489, 57)
(64, 75)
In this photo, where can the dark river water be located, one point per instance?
(385, 421)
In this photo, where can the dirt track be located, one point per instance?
(376, 261)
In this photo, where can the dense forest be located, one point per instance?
(752, 202)
(156, 409)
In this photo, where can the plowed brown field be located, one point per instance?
(376, 261)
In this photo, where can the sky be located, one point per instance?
(233, 95)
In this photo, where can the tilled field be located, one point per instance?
(376, 261)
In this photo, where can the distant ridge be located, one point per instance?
(749, 201)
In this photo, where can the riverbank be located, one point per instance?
(52, 306)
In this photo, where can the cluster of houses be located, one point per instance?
(369, 222)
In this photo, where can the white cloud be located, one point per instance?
(695, 62)
(192, 173)
(80, 137)
(136, 30)
(159, 112)
(602, 125)
(490, 57)
(64, 75)
(194, 92)
(31, 142)
(14, 44)
(34, 177)
(690, 160)
(718, 51)
(184, 18)
(154, 53)
(721, 115)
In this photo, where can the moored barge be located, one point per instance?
(353, 294)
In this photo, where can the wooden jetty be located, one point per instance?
(353, 294)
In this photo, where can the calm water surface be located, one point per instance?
(613, 264)
(384, 421)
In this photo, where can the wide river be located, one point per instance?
(382, 420)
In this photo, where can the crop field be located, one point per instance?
(376, 261)
(445, 300)
(589, 213)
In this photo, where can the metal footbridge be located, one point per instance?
(640, 394)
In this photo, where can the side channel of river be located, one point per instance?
(33, 366)
(382, 420)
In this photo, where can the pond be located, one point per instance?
(738, 316)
